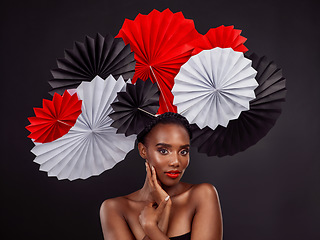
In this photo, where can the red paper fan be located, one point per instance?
(159, 41)
(223, 37)
(55, 118)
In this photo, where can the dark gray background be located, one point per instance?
(271, 191)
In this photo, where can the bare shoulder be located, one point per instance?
(204, 192)
(204, 188)
(207, 220)
(113, 222)
(113, 205)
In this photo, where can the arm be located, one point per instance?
(149, 219)
(164, 219)
(159, 194)
(207, 221)
(113, 223)
(163, 222)
(154, 233)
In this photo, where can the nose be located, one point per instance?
(174, 161)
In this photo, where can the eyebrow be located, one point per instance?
(168, 145)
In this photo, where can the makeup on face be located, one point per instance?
(173, 174)
(168, 151)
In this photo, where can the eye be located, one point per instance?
(184, 152)
(163, 151)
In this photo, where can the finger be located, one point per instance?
(149, 205)
(149, 174)
(154, 175)
(162, 205)
(154, 178)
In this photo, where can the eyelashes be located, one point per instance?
(165, 151)
(184, 152)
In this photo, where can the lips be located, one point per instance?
(173, 174)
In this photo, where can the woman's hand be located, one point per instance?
(157, 192)
(150, 216)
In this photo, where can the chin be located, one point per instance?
(170, 182)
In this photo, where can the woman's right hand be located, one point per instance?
(159, 195)
(157, 191)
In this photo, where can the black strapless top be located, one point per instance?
(186, 236)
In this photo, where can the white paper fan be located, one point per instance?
(214, 87)
(92, 145)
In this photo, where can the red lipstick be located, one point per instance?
(173, 174)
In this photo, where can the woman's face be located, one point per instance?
(167, 149)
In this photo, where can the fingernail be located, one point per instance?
(152, 167)
(167, 198)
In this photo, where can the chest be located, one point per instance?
(180, 218)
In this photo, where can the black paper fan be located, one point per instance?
(100, 56)
(134, 108)
(252, 125)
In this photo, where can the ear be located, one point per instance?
(142, 150)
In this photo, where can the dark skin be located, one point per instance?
(164, 207)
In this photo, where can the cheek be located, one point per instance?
(154, 158)
(157, 160)
(186, 162)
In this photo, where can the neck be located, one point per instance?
(145, 191)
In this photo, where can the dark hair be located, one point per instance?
(165, 118)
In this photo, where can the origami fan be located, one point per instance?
(214, 87)
(100, 56)
(133, 108)
(55, 118)
(223, 37)
(252, 125)
(159, 42)
(92, 145)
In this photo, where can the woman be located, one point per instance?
(164, 208)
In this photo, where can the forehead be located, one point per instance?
(169, 133)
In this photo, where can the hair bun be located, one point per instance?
(165, 118)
